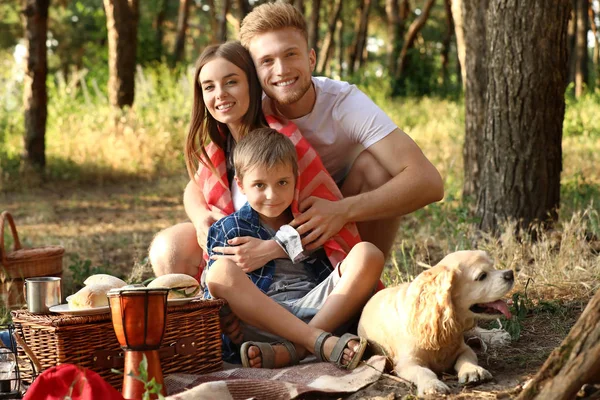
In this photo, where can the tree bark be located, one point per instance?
(214, 22)
(447, 40)
(313, 25)
(572, 34)
(411, 35)
(327, 47)
(121, 22)
(158, 26)
(340, 46)
(222, 30)
(573, 364)
(35, 97)
(395, 30)
(457, 16)
(182, 26)
(358, 45)
(525, 106)
(596, 54)
(474, 14)
(581, 54)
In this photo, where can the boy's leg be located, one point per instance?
(360, 273)
(176, 250)
(368, 174)
(227, 281)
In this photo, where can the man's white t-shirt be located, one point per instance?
(342, 123)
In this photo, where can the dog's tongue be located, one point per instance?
(501, 306)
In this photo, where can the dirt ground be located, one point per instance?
(113, 227)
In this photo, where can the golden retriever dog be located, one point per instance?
(420, 325)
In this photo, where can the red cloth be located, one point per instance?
(78, 383)
(313, 180)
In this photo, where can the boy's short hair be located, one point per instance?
(270, 17)
(263, 147)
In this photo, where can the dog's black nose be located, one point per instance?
(509, 275)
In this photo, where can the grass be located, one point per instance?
(114, 179)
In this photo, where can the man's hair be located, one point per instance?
(264, 147)
(270, 17)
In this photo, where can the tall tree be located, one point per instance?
(327, 48)
(182, 26)
(360, 38)
(596, 54)
(581, 53)
(396, 12)
(35, 97)
(299, 4)
(525, 106)
(411, 35)
(447, 40)
(158, 26)
(473, 17)
(313, 24)
(457, 16)
(214, 21)
(121, 21)
(222, 31)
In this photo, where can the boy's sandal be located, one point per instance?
(268, 354)
(337, 353)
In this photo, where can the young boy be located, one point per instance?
(295, 304)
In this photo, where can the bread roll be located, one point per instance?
(104, 279)
(90, 296)
(181, 285)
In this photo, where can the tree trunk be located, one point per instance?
(525, 106)
(121, 22)
(35, 97)
(572, 34)
(411, 35)
(473, 14)
(222, 31)
(299, 4)
(158, 26)
(573, 364)
(446, 41)
(395, 30)
(596, 54)
(358, 45)
(214, 22)
(243, 8)
(581, 54)
(326, 50)
(340, 46)
(313, 25)
(182, 26)
(457, 16)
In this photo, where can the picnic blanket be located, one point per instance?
(313, 180)
(274, 384)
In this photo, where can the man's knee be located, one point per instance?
(365, 175)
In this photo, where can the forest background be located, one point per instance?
(110, 172)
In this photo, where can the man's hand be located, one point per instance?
(322, 218)
(249, 253)
(204, 224)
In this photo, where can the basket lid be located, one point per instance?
(35, 253)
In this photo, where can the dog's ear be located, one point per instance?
(432, 315)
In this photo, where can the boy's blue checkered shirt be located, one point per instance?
(245, 222)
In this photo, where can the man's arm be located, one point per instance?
(414, 183)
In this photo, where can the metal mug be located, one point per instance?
(41, 293)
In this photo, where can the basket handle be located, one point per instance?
(17, 245)
(29, 352)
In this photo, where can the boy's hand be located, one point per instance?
(204, 225)
(249, 253)
(321, 219)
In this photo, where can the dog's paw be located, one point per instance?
(433, 386)
(473, 374)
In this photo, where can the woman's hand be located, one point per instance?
(204, 224)
(249, 253)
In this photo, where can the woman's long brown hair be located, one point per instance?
(203, 127)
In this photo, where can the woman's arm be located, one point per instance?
(198, 212)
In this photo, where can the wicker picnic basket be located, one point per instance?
(24, 263)
(192, 341)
